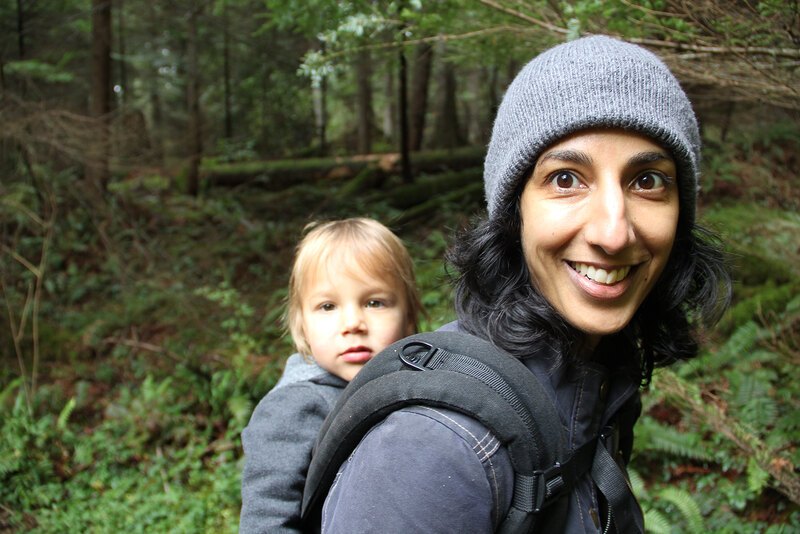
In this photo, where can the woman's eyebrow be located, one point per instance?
(648, 157)
(571, 156)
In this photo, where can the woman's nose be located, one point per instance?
(608, 223)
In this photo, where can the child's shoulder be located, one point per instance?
(298, 369)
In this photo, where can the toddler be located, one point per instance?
(351, 293)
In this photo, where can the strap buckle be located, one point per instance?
(550, 484)
(417, 354)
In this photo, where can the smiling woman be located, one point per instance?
(589, 268)
(599, 215)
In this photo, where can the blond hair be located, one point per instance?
(356, 242)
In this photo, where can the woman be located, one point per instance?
(590, 268)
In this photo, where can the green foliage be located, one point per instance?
(39, 71)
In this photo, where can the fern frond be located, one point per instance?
(757, 478)
(656, 523)
(63, 417)
(637, 483)
(686, 505)
(654, 436)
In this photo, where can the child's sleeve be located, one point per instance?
(277, 446)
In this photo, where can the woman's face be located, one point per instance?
(599, 216)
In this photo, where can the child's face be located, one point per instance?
(349, 316)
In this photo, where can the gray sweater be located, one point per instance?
(277, 446)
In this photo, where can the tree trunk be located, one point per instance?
(419, 94)
(364, 101)
(21, 29)
(152, 82)
(320, 95)
(402, 90)
(194, 143)
(389, 123)
(226, 68)
(448, 132)
(97, 172)
(123, 67)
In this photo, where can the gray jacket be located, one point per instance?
(277, 446)
(437, 471)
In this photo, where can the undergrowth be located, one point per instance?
(158, 328)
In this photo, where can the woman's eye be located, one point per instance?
(650, 181)
(565, 180)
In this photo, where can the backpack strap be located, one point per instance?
(612, 480)
(466, 374)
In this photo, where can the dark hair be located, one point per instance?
(495, 300)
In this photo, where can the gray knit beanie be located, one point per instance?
(590, 82)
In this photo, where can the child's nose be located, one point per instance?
(353, 319)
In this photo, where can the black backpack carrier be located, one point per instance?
(466, 374)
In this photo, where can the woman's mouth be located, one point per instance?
(599, 275)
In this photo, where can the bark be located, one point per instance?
(194, 143)
(154, 96)
(21, 29)
(364, 101)
(448, 131)
(402, 91)
(390, 109)
(97, 171)
(369, 170)
(420, 81)
(123, 67)
(226, 74)
(321, 114)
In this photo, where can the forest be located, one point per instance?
(159, 160)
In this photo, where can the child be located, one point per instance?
(351, 294)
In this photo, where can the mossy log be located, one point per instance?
(372, 168)
(471, 191)
(432, 188)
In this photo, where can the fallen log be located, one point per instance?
(280, 174)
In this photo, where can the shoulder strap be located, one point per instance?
(470, 375)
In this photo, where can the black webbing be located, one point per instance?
(613, 483)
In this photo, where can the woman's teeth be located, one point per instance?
(601, 276)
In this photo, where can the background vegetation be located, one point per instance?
(158, 161)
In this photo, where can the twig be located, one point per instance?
(17, 347)
(527, 18)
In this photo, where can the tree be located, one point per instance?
(194, 134)
(97, 172)
(420, 79)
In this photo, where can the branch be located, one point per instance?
(527, 18)
(790, 53)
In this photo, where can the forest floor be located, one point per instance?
(158, 328)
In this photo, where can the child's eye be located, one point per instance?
(650, 181)
(564, 180)
(375, 303)
(327, 306)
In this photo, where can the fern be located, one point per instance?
(653, 436)
(757, 478)
(656, 523)
(687, 507)
(63, 417)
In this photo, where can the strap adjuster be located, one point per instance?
(550, 485)
(417, 354)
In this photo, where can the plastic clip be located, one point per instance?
(417, 354)
(549, 485)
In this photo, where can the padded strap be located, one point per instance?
(616, 488)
